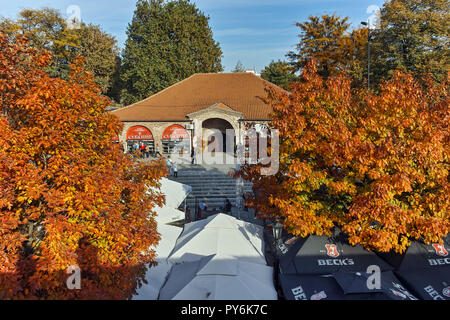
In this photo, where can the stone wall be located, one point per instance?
(157, 127)
(231, 117)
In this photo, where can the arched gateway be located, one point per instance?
(211, 127)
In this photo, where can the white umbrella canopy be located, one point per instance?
(220, 234)
(175, 192)
(219, 277)
(167, 215)
(156, 276)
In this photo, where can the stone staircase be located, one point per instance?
(210, 183)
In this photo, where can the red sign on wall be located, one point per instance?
(175, 132)
(139, 133)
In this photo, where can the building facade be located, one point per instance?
(192, 112)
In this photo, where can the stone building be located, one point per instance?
(211, 101)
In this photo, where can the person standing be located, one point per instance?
(188, 215)
(169, 165)
(201, 207)
(245, 197)
(192, 156)
(204, 205)
(175, 170)
(142, 149)
(199, 213)
(147, 151)
(157, 151)
(227, 206)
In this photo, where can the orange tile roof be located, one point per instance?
(240, 91)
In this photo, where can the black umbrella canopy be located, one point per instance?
(362, 282)
(427, 284)
(328, 255)
(420, 255)
(424, 269)
(342, 286)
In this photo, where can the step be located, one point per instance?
(217, 197)
(202, 178)
(211, 205)
(216, 188)
(212, 183)
(198, 193)
(211, 196)
(208, 177)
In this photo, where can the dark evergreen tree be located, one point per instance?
(167, 42)
(239, 67)
(279, 73)
(413, 36)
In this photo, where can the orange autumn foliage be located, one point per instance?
(69, 196)
(374, 164)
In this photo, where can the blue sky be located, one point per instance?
(252, 31)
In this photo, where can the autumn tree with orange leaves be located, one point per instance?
(69, 196)
(374, 164)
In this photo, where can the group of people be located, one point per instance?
(144, 150)
(202, 208)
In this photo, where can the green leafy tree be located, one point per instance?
(279, 73)
(328, 40)
(167, 42)
(413, 36)
(47, 29)
(101, 54)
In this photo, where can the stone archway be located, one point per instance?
(139, 134)
(208, 128)
(176, 136)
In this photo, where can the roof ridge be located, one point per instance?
(238, 92)
(243, 72)
(153, 95)
(217, 103)
(199, 74)
(272, 84)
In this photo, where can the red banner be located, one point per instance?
(139, 133)
(175, 132)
